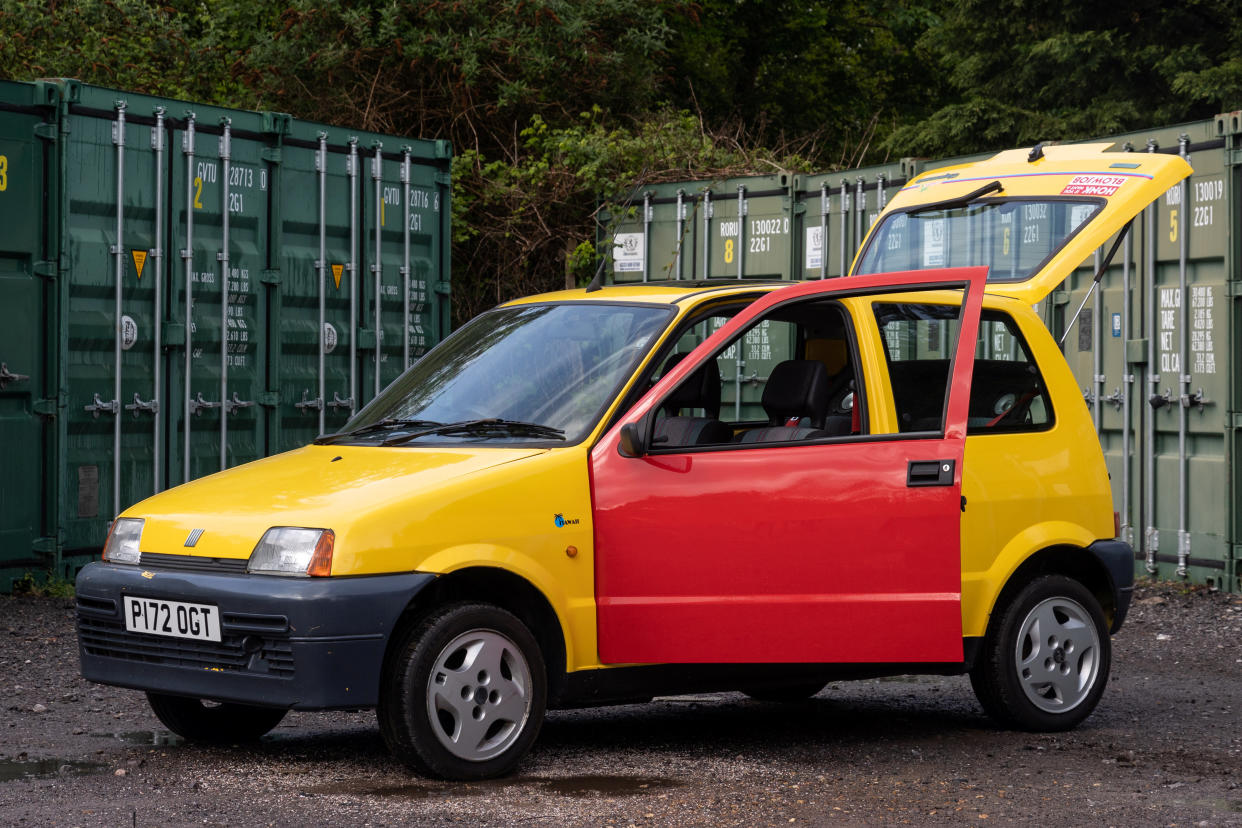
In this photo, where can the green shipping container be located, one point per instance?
(1157, 347)
(190, 288)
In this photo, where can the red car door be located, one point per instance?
(836, 549)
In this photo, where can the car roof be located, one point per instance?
(664, 293)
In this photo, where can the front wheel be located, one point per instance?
(201, 721)
(1045, 661)
(464, 696)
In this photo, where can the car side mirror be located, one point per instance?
(633, 439)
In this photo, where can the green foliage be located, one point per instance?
(1021, 71)
(44, 585)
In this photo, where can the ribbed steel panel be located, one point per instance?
(162, 260)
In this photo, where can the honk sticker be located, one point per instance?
(1094, 185)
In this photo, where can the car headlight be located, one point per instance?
(122, 543)
(289, 550)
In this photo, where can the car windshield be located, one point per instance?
(1014, 238)
(539, 373)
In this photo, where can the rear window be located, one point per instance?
(1013, 238)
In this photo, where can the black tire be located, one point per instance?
(790, 692)
(226, 722)
(464, 694)
(1046, 657)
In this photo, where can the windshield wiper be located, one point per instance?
(960, 201)
(494, 424)
(379, 425)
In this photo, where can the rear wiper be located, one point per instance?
(960, 201)
(484, 425)
(379, 425)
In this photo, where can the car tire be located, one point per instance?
(197, 720)
(790, 692)
(464, 695)
(1046, 657)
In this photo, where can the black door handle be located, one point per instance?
(930, 473)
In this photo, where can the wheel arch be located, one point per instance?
(1075, 562)
(499, 588)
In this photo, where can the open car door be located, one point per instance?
(1029, 216)
(799, 538)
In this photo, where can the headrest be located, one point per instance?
(831, 352)
(700, 390)
(797, 388)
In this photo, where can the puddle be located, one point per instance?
(573, 786)
(11, 769)
(155, 738)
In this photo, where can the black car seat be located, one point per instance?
(795, 388)
(699, 390)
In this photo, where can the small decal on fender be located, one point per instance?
(561, 522)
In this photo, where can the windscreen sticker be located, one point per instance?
(1094, 185)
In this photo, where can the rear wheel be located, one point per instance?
(464, 697)
(202, 721)
(1046, 658)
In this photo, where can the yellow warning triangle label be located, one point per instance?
(140, 260)
(337, 270)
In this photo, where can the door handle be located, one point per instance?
(930, 473)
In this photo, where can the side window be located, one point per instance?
(788, 377)
(919, 342)
(1007, 392)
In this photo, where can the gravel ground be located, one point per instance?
(1163, 748)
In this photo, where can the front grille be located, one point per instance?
(192, 563)
(109, 638)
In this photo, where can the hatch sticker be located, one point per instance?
(1094, 185)
(129, 332)
(337, 270)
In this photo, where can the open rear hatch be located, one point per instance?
(1031, 216)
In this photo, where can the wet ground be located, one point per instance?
(1163, 748)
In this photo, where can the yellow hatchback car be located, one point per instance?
(599, 495)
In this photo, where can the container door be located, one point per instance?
(24, 437)
(313, 323)
(829, 547)
(112, 357)
(219, 202)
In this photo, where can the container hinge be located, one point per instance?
(270, 277)
(1159, 401)
(47, 269)
(99, 406)
(1233, 158)
(1235, 420)
(7, 376)
(1060, 297)
(1115, 399)
(271, 155)
(337, 402)
(45, 131)
(46, 407)
(45, 545)
(443, 178)
(234, 404)
(1196, 399)
(197, 404)
(306, 403)
(444, 288)
(1233, 288)
(140, 405)
(269, 399)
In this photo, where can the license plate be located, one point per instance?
(175, 619)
